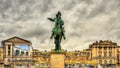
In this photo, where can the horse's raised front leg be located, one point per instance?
(52, 35)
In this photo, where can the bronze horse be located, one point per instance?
(58, 31)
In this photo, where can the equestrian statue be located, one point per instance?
(58, 31)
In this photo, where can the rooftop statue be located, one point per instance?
(58, 31)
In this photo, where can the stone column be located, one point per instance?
(29, 50)
(107, 51)
(11, 50)
(96, 51)
(115, 51)
(113, 54)
(6, 50)
(20, 52)
(102, 51)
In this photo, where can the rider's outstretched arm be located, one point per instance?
(51, 19)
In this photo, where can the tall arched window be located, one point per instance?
(17, 52)
(110, 54)
(105, 61)
(100, 61)
(22, 52)
(8, 50)
(110, 61)
(105, 54)
(26, 53)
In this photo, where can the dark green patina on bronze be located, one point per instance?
(58, 31)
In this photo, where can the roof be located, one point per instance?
(101, 42)
(13, 38)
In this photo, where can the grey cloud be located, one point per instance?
(9, 29)
(22, 10)
(70, 5)
(89, 2)
(46, 5)
(4, 5)
(85, 21)
(76, 34)
(104, 7)
(34, 32)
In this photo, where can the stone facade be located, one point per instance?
(17, 52)
(105, 53)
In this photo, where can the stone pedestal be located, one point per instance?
(57, 60)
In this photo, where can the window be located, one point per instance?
(99, 55)
(17, 52)
(110, 61)
(8, 50)
(110, 48)
(88, 53)
(100, 51)
(75, 54)
(22, 52)
(100, 61)
(105, 48)
(81, 53)
(100, 48)
(26, 53)
(43, 64)
(105, 61)
(105, 54)
(110, 54)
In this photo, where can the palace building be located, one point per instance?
(41, 59)
(105, 53)
(16, 52)
(73, 59)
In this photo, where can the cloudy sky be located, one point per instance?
(86, 21)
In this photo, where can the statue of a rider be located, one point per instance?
(58, 31)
